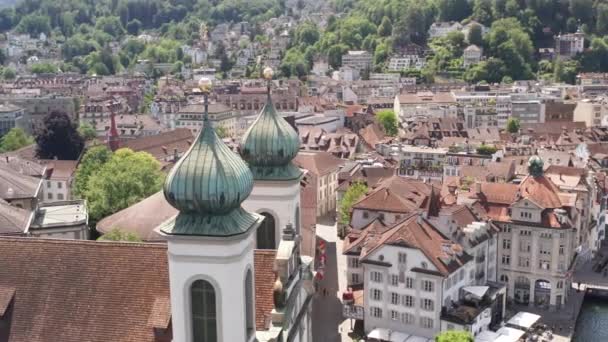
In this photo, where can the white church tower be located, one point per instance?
(268, 147)
(211, 242)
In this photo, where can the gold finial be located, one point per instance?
(205, 85)
(268, 73)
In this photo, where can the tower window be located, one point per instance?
(266, 233)
(249, 311)
(204, 319)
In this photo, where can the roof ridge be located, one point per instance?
(36, 240)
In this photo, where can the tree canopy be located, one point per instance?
(388, 120)
(117, 234)
(126, 178)
(513, 125)
(58, 138)
(454, 336)
(355, 192)
(15, 139)
(90, 163)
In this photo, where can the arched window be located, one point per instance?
(204, 320)
(266, 233)
(504, 278)
(250, 318)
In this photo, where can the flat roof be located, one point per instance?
(58, 214)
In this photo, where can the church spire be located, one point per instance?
(208, 185)
(270, 144)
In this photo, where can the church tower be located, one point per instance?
(211, 242)
(268, 147)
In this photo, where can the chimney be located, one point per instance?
(477, 187)
(419, 218)
(175, 155)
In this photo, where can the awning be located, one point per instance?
(509, 334)
(486, 336)
(399, 336)
(524, 320)
(478, 291)
(378, 334)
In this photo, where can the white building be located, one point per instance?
(593, 112)
(472, 55)
(358, 60)
(399, 63)
(568, 45)
(441, 29)
(438, 105)
(416, 280)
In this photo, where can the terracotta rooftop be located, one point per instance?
(77, 291)
(319, 163)
(162, 145)
(416, 232)
(13, 220)
(427, 97)
(137, 219)
(60, 169)
(74, 291)
(398, 194)
(14, 184)
(542, 191)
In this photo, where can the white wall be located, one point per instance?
(56, 190)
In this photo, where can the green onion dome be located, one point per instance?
(207, 186)
(270, 145)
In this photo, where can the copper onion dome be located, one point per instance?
(270, 144)
(208, 185)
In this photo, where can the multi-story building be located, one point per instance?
(420, 162)
(538, 236)
(593, 112)
(323, 169)
(191, 117)
(472, 55)
(58, 180)
(11, 116)
(527, 108)
(441, 29)
(493, 105)
(417, 281)
(570, 44)
(358, 60)
(403, 62)
(429, 104)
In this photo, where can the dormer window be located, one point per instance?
(424, 265)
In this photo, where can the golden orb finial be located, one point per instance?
(205, 84)
(268, 73)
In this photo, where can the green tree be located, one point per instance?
(353, 194)
(133, 27)
(9, 74)
(110, 25)
(43, 68)
(386, 27)
(91, 162)
(454, 336)
(15, 139)
(58, 138)
(34, 24)
(221, 132)
(475, 35)
(453, 10)
(486, 150)
(388, 120)
(125, 179)
(513, 125)
(87, 131)
(117, 234)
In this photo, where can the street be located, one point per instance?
(328, 324)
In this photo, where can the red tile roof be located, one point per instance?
(74, 291)
(398, 194)
(319, 163)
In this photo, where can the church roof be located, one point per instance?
(269, 146)
(74, 291)
(208, 185)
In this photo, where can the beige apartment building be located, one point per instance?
(537, 239)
